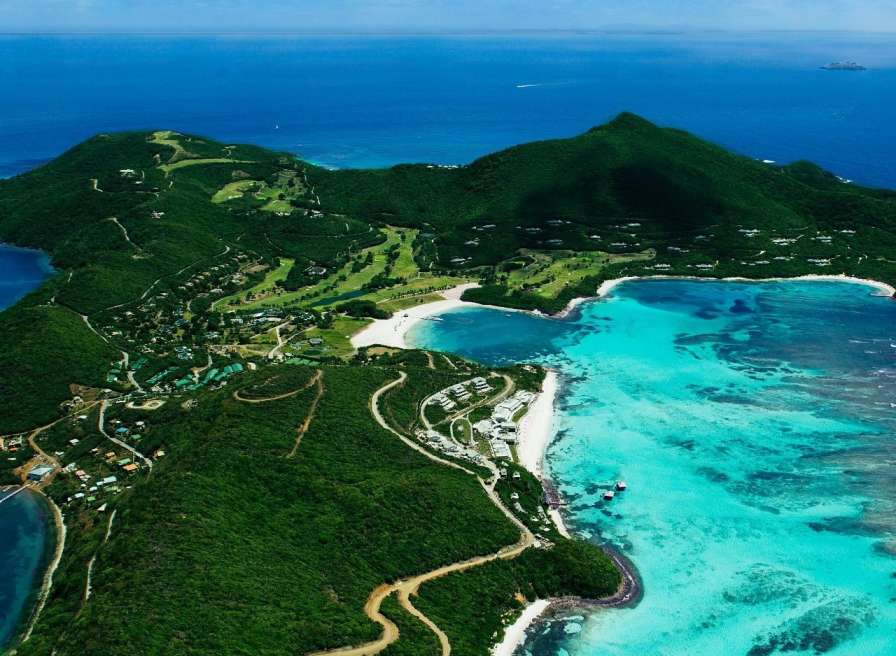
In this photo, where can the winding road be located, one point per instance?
(311, 381)
(407, 588)
(318, 380)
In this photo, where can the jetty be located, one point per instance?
(9, 496)
(551, 495)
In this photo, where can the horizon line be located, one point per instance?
(441, 32)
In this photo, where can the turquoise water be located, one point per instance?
(23, 541)
(755, 426)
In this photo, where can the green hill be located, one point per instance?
(628, 187)
(129, 218)
(188, 269)
(242, 542)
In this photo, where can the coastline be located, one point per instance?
(535, 434)
(515, 634)
(59, 533)
(391, 332)
(608, 285)
(535, 427)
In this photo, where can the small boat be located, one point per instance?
(621, 486)
(608, 495)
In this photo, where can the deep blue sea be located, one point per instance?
(349, 101)
(755, 426)
(21, 270)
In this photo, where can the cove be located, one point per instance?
(21, 270)
(755, 424)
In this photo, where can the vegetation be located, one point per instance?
(36, 344)
(196, 548)
(627, 187)
(270, 515)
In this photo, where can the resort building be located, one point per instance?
(38, 473)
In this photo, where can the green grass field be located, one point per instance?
(342, 281)
(166, 138)
(168, 168)
(336, 339)
(276, 197)
(234, 190)
(548, 272)
(267, 285)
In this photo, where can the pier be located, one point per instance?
(551, 495)
(11, 494)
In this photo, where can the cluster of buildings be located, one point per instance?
(452, 448)
(500, 430)
(11, 444)
(460, 393)
(89, 491)
(211, 375)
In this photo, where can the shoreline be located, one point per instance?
(535, 427)
(515, 634)
(609, 285)
(391, 332)
(43, 593)
(534, 436)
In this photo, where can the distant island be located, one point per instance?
(843, 66)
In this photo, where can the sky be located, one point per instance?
(440, 15)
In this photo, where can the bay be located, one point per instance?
(754, 424)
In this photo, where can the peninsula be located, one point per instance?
(244, 456)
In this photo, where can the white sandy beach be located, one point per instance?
(534, 434)
(516, 632)
(392, 331)
(535, 428)
(607, 286)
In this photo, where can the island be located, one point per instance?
(233, 469)
(843, 66)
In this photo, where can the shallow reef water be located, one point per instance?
(755, 424)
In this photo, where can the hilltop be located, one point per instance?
(621, 187)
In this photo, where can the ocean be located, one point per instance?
(754, 425)
(365, 101)
(21, 270)
(23, 544)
